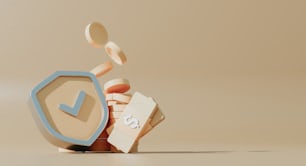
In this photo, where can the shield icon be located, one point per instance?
(70, 109)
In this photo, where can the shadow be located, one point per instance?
(80, 150)
(86, 108)
(83, 150)
(182, 152)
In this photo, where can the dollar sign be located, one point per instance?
(130, 121)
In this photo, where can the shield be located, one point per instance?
(70, 109)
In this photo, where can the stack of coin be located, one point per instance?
(117, 99)
(101, 144)
(97, 36)
(115, 90)
(116, 104)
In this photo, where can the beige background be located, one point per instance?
(229, 75)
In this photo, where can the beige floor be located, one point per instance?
(217, 158)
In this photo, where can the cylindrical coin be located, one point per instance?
(102, 69)
(96, 34)
(115, 52)
(119, 85)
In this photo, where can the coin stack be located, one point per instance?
(116, 104)
(115, 90)
(97, 36)
(101, 144)
(117, 99)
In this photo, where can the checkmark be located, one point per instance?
(74, 111)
